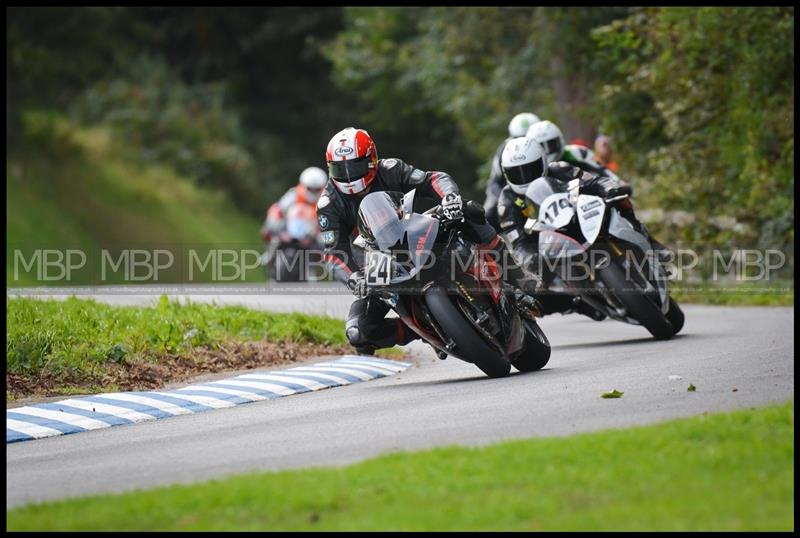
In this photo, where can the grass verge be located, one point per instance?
(73, 345)
(732, 471)
(79, 188)
(759, 293)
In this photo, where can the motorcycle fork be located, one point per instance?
(605, 302)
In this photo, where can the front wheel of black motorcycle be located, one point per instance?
(469, 344)
(535, 354)
(637, 304)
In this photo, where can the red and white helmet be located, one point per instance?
(352, 160)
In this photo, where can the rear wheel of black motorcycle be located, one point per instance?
(638, 305)
(536, 352)
(469, 344)
(675, 316)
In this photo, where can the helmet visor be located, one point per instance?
(350, 170)
(553, 146)
(524, 174)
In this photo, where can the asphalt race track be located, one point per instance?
(433, 403)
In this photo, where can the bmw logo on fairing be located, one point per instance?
(323, 221)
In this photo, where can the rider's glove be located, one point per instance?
(357, 283)
(452, 209)
(605, 187)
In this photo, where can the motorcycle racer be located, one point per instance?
(523, 161)
(355, 170)
(307, 192)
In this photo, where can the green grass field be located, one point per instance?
(80, 188)
(732, 471)
(83, 335)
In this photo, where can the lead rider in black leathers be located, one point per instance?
(337, 210)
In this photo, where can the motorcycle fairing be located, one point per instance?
(591, 210)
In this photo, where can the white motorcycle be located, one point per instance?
(595, 253)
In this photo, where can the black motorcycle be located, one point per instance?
(445, 289)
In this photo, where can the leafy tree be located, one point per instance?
(716, 94)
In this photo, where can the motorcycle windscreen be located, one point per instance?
(383, 216)
(410, 236)
(540, 189)
(407, 257)
(553, 244)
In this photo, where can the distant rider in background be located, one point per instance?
(604, 154)
(307, 191)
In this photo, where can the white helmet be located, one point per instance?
(549, 136)
(519, 124)
(523, 161)
(314, 178)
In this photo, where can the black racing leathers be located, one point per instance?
(338, 213)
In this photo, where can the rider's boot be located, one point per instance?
(529, 306)
(366, 350)
(582, 307)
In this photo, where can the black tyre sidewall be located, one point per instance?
(638, 305)
(535, 354)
